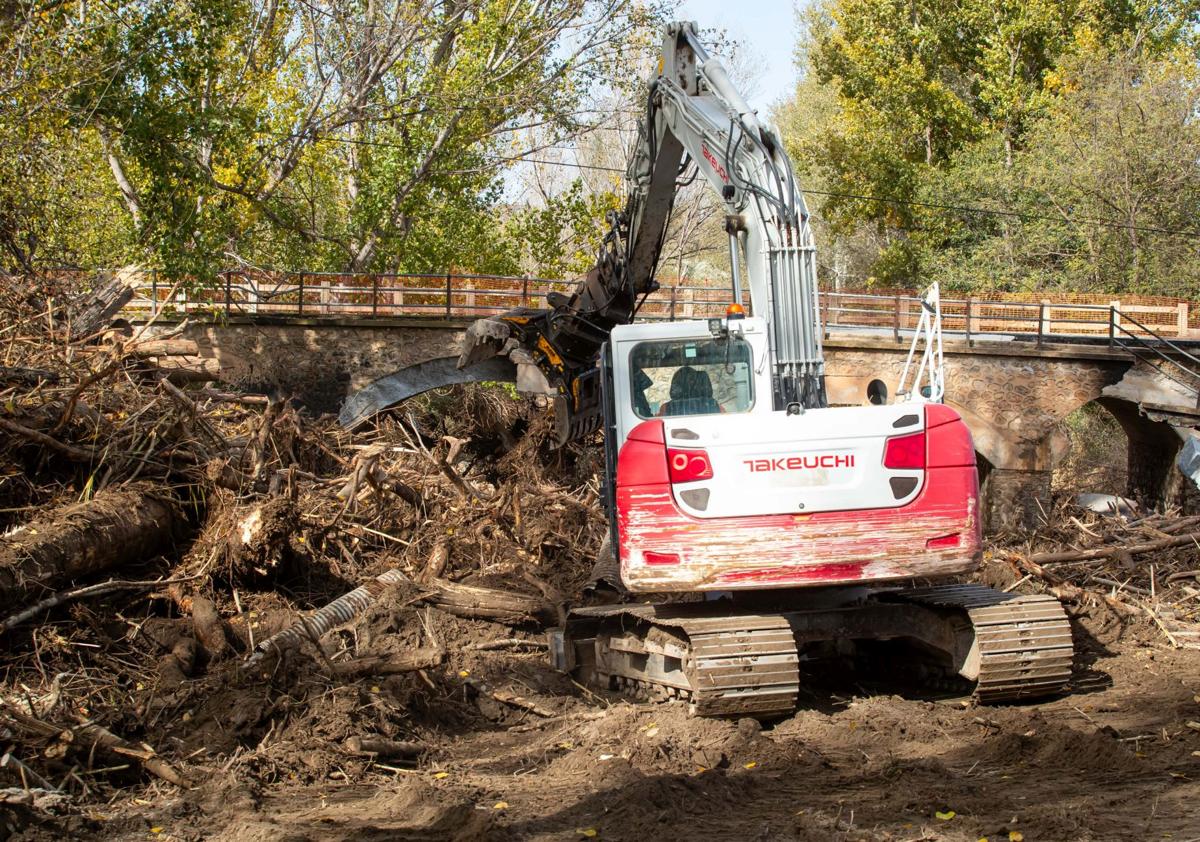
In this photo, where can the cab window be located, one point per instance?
(691, 377)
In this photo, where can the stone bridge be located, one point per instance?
(1013, 394)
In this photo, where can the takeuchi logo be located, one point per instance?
(799, 463)
(712, 160)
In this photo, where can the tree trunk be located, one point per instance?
(96, 310)
(487, 603)
(116, 527)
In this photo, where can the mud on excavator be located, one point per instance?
(778, 524)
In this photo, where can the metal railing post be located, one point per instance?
(300, 301)
(525, 290)
(448, 295)
(672, 302)
(896, 319)
(1041, 321)
(153, 293)
(374, 294)
(1112, 325)
(968, 326)
(228, 293)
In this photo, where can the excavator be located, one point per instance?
(752, 525)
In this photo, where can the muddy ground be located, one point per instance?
(1115, 759)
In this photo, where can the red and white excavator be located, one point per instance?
(727, 473)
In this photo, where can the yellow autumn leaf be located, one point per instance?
(463, 673)
(1016, 836)
(945, 816)
(751, 764)
(156, 830)
(500, 805)
(589, 832)
(439, 775)
(374, 688)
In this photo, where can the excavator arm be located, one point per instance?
(694, 118)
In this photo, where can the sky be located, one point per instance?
(766, 27)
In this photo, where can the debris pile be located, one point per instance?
(1133, 565)
(194, 578)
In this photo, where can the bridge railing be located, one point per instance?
(460, 296)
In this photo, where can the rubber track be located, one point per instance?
(1025, 644)
(743, 670)
(744, 664)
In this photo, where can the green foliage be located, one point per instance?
(1048, 113)
(196, 134)
(563, 233)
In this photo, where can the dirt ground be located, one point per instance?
(1118, 758)
(139, 713)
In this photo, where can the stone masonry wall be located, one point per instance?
(319, 366)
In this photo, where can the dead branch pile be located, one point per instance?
(193, 578)
(1142, 566)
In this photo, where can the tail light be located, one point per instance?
(688, 465)
(905, 452)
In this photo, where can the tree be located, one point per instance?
(1103, 176)
(345, 134)
(925, 86)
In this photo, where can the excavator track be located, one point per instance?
(1023, 647)
(740, 664)
(723, 662)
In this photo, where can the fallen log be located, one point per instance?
(116, 527)
(507, 643)
(507, 697)
(478, 603)
(1068, 592)
(183, 370)
(164, 348)
(418, 659)
(86, 735)
(233, 397)
(1115, 549)
(383, 748)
